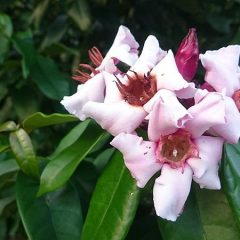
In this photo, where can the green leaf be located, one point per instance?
(217, 219)
(80, 14)
(23, 150)
(39, 119)
(4, 202)
(8, 166)
(103, 158)
(49, 79)
(71, 137)
(62, 166)
(187, 226)
(6, 30)
(8, 126)
(113, 204)
(56, 216)
(231, 177)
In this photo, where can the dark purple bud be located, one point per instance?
(187, 55)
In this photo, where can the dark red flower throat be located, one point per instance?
(139, 90)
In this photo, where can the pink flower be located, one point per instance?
(187, 55)
(124, 49)
(223, 75)
(130, 97)
(178, 148)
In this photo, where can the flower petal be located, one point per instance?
(167, 115)
(206, 113)
(115, 117)
(139, 156)
(124, 48)
(230, 130)
(150, 56)
(92, 90)
(171, 190)
(221, 68)
(167, 75)
(205, 168)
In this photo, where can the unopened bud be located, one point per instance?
(187, 55)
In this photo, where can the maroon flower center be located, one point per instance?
(176, 148)
(139, 90)
(86, 70)
(236, 99)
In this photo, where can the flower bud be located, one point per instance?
(187, 55)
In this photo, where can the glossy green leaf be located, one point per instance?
(56, 216)
(62, 165)
(113, 204)
(103, 158)
(49, 79)
(8, 126)
(39, 119)
(231, 177)
(6, 30)
(216, 216)
(4, 202)
(187, 226)
(23, 150)
(71, 137)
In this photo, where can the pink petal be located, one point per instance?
(171, 190)
(221, 68)
(206, 113)
(139, 156)
(167, 116)
(167, 75)
(112, 93)
(188, 92)
(231, 129)
(115, 117)
(205, 168)
(92, 90)
(124, 48)
(149, 57)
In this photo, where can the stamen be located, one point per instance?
(96, 58)
(139, 90)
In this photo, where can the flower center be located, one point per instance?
(139, 90)
(87, 70)
(176, 148)
(236, 99)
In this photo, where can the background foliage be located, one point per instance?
(41, 43)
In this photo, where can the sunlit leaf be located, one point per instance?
(56, 216)
(8, 126)
(23, 150)
(113, 204)
(39, 119)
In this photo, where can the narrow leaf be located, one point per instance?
(23, 150)
(56, 216)
(62, 166)
(8, 166)
(113, 204)
(39, 119)
(231, 177)
(71, 137)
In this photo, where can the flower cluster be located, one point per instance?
(186, 124)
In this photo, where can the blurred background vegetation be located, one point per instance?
(43, 41)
